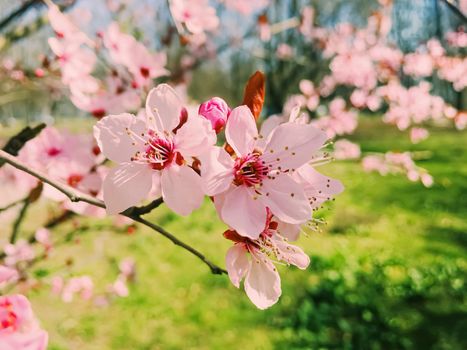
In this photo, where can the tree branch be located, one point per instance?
(11, 205)
(14, 145)
(20, 11)
(456, 10)
(19, 220)
(133, 213)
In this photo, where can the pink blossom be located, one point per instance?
(82, 285)
(311, 94)
(197, 15)
(19, 329)
(127, 268)
(57, 285)
(397, 163)
(246, 7)
(64, 27)
(126, 50)
(318, 188)
(457, 39)
(426, 179)
(120, 288)
(284, 51)
(42, 236)
(21, 251)
(355, 70)
(259, 175)
(7, 274)
(418, 64)
(53, 147)
(461, 120)
(252, 260)
(75, 62)
(154, 151)
(306, 26)
(264, 29)
(418, 134)
(453, 69)
(216, 111)
(344, 149)
(340, 121)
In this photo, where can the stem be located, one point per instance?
(19, 220)
(14, 145)
(214, 268)
(11, 205)
(133, 213)
(455, 9)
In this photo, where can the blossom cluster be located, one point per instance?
(130, 66)
(263, 184)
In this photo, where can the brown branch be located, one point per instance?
(13, 204)
(19, 220)
(14, 145)
(133, 213)
(456, 10)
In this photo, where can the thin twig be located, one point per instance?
(19, 220)
(144, 209)
(456, 10)
(132, 213)
(11, 205)
(214, 268)
(14, 144)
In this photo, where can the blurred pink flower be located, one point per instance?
(82, 285)
(7, 274)
(126, 50)
(284, 51)
(344, 149)
(246, 7)
(197, 15)
(19, 330)
(311, 94)
(42, 236)
(418, 134)
(418, 64)
(21, 251)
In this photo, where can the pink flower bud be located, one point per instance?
(216, 111)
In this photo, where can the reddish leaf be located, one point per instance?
(253, 96)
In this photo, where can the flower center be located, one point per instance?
(250, 170)
(7, 317)
(53, 151)
(74, 180)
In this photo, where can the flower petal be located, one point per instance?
(286, 199)
(195, 137)
(262, 282)
(163, 108)
(181, 189)
(317, 186)
(237, 263)
(291, 145)
(216, 171)
(112, 136)
(244, 214)
(125, 186)
(292, 254)
(289, 231)
(241, 131)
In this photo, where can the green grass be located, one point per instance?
(388, 270)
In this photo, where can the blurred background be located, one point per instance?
(388, 267)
